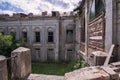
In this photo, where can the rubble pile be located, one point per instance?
(111, 72)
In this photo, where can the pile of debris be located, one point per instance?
(111, 72)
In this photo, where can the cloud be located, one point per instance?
(58, 3)
(6, 12)
(37, 6)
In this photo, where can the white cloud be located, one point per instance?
(6, 12)
(37, 6)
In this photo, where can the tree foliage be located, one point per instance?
(8, 44)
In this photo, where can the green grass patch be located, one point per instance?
(57, 68)
(50, 68)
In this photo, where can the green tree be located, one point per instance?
(8, 44)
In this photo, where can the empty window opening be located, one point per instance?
(70, 54)
(37, 51)
(69, 36)
(50, 55)
(24, 34)
(13, 34)
(50, 37)
(37, 36)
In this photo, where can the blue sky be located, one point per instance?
(36, 6)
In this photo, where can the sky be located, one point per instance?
(36, 6)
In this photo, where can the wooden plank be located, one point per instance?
(109, 55)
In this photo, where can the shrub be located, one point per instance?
(77, 63)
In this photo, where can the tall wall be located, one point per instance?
(69, 23)
(116, 26)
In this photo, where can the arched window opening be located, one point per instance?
(50, 35)
(24, 34)
(37, 35)
(13, 33)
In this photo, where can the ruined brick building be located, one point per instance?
(100, 28)
(50, 37)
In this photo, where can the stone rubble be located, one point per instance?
(44, 77)
(111, 72)
(88, 73)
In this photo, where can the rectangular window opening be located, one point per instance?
(69, 36)
(37, 36)
(25, 36)
(37, 51)
(50, 37)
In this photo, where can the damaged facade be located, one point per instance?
(50, 38)
(99, 20)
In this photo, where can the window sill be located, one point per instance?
(70, 43)
(37, 42)
(50, 43)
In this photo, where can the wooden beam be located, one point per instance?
(109, 55)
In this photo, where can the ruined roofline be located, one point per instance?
(37, 18)
(30, 16)
(5, 17)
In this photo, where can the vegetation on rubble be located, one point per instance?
(77, 63)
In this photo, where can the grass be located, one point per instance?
(50, 68)
(57, 68)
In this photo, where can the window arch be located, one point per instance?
(37, 29)
(96, 9)
(50, 29)
(50, 35)
(37, 34)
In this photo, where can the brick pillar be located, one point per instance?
(21, 65)
(3, 68)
